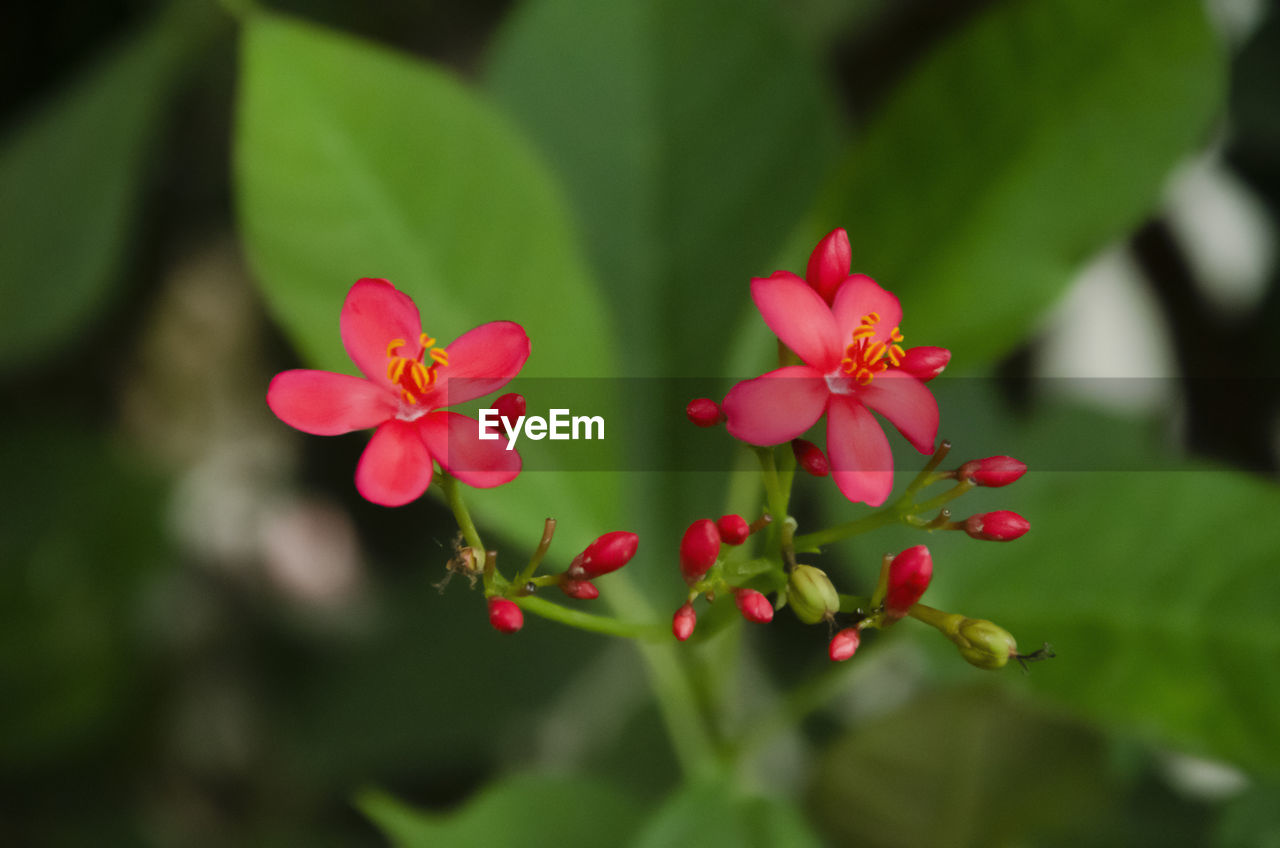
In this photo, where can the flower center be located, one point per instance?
(409, 372)
(865, 358)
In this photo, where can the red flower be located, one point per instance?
(853, 365)
(406, 382)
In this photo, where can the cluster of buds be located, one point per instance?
(606, 554)
(701, 564)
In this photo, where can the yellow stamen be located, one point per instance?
(426, 341)
(392, 345)
(439, 355)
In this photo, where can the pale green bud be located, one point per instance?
(811, 594)
(984, 643)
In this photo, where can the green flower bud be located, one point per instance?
(811, 594)
(984, 643)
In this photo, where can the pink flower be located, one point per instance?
(406, 382)
(852, 353)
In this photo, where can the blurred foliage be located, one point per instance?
(611, 181)
(1018, 149)
(73, 175)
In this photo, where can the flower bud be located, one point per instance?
(843, 644)
(909, 575)
(999, 526)
(924, 363)
(810, 457)
(984, 643)
(699, 549)
(510, 406)
(811, 594)
(734, 529)
(829, 264)
(753, 606)
(704, 412)
(682, 623)
(607, 553)
(505, 616)
(583, 590)
(993, 472)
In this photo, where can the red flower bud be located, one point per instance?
(505, 616)
(704, 412)
(999, 526)
(829, 264)
(583, 590)
(925, 363)
(682, 623)
(510, 406)
(607, 553)
(753, 606)
(994, 471)
(810, 457)
(699, 549)
(909, 576)
(734, 529)
(843, 644)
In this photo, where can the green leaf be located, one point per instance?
(353, 161)
(1019, 148)
(962, 767)
(691, 137)
(715, 814)
(72, 178)
(1158, 591)
(521, 812)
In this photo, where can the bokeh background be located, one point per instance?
(207, 638)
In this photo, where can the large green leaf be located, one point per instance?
(715, 814)
(691, 136)
(71, 178)
(521, 812)
(959, 768)
(1017, 149)
(1154, 579)
(354, 161)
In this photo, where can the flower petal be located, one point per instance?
(373, 315)
(481, 360)
(395, 467)
(454, 441)
(799, 317)
(326, 404)
(777, 406)
(908, 404)
(858, 450)
(829, 264)
(858, 296)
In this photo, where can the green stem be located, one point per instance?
(548, 531)
(594, 623)
(453, 496)
(810, 542)
(946, 497)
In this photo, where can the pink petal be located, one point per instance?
(454, 441)
(829, 264)
(395, 467)
(799, 317)
(481, 360)
(860, 295)
(908, 404)
(858, 449)
(373, 315)
(777, 406)
(327, 404)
